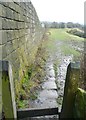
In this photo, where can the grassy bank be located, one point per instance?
(65, 41)
(26, 88)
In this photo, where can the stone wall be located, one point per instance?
(20, 35)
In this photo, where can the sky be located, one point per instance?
(60, 10)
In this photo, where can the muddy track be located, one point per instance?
(52, 89)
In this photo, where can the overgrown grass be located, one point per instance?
(69, 51)
(23, 90)
(26, 88)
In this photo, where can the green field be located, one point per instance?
(61, 34)
(59, 39)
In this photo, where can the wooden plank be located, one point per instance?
(8, 97)
(25, 113)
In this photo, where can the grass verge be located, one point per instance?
(26, 88)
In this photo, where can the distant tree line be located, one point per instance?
(63, 25)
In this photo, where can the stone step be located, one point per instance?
(48, 94)
(46, 103)
(49, 85)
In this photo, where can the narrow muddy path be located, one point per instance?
(52, 88)
(48, 94)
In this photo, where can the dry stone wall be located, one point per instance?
(20, 35)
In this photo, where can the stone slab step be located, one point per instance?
(49, 85)
(48, 94)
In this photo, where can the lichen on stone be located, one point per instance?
(80, 104)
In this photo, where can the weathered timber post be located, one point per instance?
(8, 96)
(71, 86)
(0, 93)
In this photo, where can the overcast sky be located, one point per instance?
(60, 10)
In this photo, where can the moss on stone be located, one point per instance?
(30, 77)
(80, 104)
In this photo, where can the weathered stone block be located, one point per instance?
(4, 52)
(12, 5)
(25, 12)
(4, 23)
(14, 55)
(0, 10)
(18, 8)
(16, 33)
(0, 52)
(12, 34)
(9, 47)
(20, 17)
(0, 37)
(9, 36)
(9, 13)
(0, 23)
(14, 14)
(5, 3)
(20, 25)
(15, 44)
(4, 36)
(21, 41)
(9, 24)
(15, 25)
(25, 18)
(23, 25)
(23, 5)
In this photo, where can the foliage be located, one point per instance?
(80, 104)
(23, 88)
(77, 32)
(29, 83)
(82, 83)
(23, 104)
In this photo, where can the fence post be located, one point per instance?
(0, 92)
(71, 86)
(8, 96)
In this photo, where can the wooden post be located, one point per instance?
(8, 96)
(0, 92)
(71, 86)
